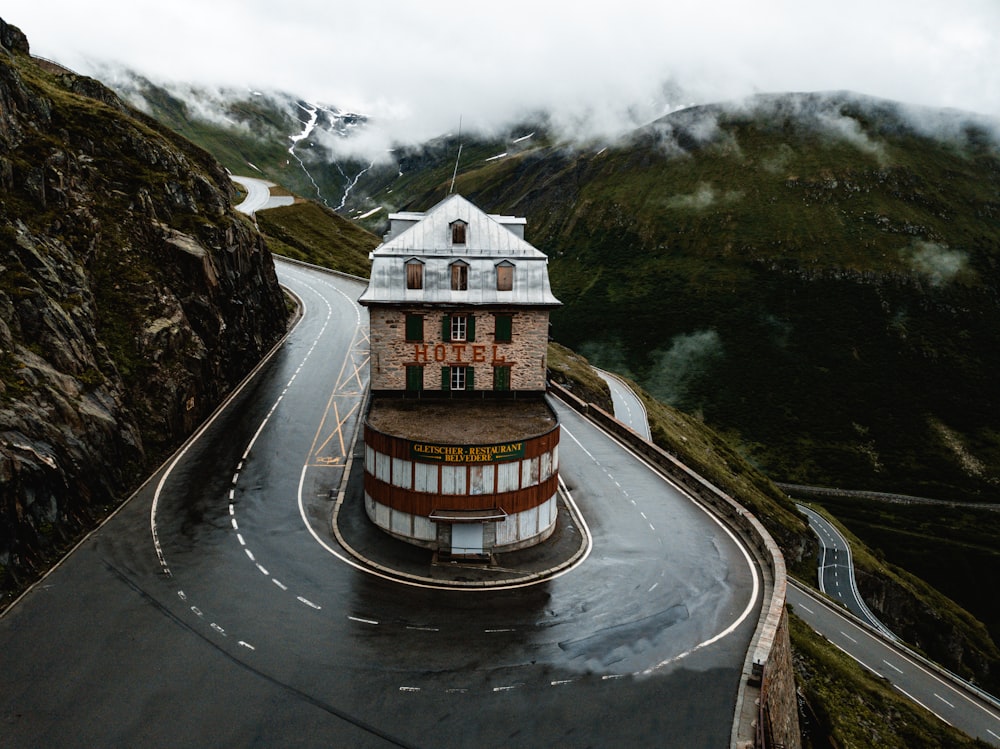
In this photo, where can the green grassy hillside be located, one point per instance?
(306, 231)
(815, 276)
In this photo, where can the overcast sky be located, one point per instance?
(424, 64)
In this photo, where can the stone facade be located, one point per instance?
(524, 352)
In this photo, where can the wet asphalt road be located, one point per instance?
(236, 625)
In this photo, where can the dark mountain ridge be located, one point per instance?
(815, 274)
(132, 299)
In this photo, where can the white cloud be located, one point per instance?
(937, 262)
(424, 65)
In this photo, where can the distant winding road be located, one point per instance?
(259, 195)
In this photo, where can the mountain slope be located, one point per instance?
(815, 275)
(132, 299)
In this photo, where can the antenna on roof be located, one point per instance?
(455, 173)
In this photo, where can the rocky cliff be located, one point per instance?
(132, 300)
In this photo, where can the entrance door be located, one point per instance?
(467, 538)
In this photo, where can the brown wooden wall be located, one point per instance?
(424, 503)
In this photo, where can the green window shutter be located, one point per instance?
(446, 328)
(446, 378)
(501, 378)
(470, 329)
(414, 378)
(503, 329)
(469, 372)
(414, 327)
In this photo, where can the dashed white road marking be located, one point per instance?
(362, 621)
(279, 584)
(894, 668)
(309, 603)
(943, 700)
(848, 637)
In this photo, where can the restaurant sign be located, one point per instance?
(466, 453)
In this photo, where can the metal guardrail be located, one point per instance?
(897, 645)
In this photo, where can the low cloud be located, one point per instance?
(704, 197)
(689, 358)
(938, 263)
(416, 68)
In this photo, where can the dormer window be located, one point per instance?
(458, 232)
(414, 274)
(505, 276)
(459, 276)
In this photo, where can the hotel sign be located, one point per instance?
(466, 453)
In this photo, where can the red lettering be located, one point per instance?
(419, 352)
(439, 352)
(496, 355)
(478, 353)
(459, 349)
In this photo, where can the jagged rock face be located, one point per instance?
(132, 300)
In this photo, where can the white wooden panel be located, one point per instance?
(401, 473)
(400, 523)
(481, 479)
(382, 467)
(425, 477)
(508, 476)
(555, 458)
(545, 468)
(453, 479)
(370, 459)
(528, 523)
(507, 530)
(424, 529)
(529, 472)
(381, 515)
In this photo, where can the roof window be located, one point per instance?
(459, 276)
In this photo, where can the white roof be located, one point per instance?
(489, 241)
